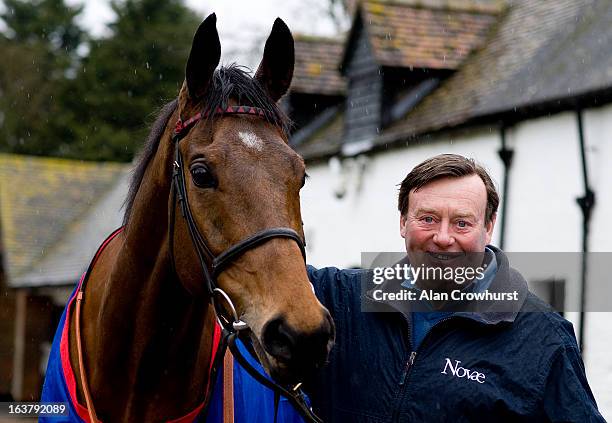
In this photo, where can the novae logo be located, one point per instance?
(462, 372)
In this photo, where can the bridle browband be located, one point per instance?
(213, 265)
(182, 127)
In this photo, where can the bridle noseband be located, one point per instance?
(213, 265)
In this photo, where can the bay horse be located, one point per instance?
(213, 207)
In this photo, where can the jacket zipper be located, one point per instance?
(410, 364)
(407, 367)
(413, 354)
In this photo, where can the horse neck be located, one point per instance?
(143, 264)
(157, 325)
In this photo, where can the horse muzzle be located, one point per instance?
(297, 353)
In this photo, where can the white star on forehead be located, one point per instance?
(251, 140)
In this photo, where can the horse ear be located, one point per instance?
(203, 58)
(276, 68)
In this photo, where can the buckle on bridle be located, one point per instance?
(238, 324)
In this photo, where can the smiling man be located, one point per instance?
(451, 211)
(491, 357)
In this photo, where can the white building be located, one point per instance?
(533, 81)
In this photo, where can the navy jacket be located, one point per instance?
(486, 365)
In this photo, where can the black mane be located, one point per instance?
(231, 82)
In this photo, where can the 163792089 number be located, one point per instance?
(33, 409)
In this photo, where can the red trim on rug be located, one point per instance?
(69, 376)
(65, 358)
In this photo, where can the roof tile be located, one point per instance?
(410, 35)
(316, 66)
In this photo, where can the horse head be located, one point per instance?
(241, 178)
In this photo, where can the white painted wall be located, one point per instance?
(543, 215)
(545, 182)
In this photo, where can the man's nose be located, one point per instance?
(443, 238)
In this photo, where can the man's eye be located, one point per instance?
(462, 224)
(202, 177)
(428, 219)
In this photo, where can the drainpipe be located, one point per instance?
(505, 154)
(586, 203)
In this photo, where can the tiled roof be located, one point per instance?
(70, 257)
(316, 66)
(41, 201)
(542, 53)
(415, 35)
(544, 50)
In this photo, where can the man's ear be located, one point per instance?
(403, 228)
(204, 57)
(276, 68)
(489, 227)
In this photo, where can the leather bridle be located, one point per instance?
(212, 265)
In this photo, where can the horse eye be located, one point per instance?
(202, 177)
(304, 179)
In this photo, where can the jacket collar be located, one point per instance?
(507, 280)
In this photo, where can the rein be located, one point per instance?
(212, 265)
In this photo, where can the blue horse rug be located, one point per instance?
(253, 402)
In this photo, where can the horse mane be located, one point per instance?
(228, 82)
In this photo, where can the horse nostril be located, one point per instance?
(278, 339)
(300, 351)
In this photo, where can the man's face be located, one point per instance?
(446, 216)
